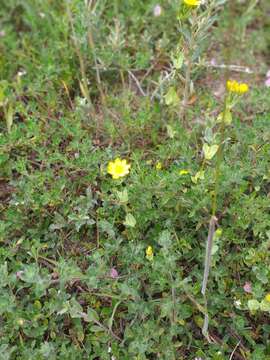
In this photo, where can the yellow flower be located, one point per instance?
(267, 297)
(149, 253)
(235, 87)
(158, 166)
(118, 168)
(183, 172)
(243, 88)
(192, 2)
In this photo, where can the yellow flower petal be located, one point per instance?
(183, 172)
(118, 168)
(192, 2)
(149, 253)
(235, 87)
(243, 88)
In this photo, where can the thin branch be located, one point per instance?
(236, 68)
(208, 253)
(137, 83)
(234, 350)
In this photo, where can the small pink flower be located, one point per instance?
(213, 62)
(268, 74)
(267, 82)
(247, 287)
(19, 274)
(157, 10)
(114, 273)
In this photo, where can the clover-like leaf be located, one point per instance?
(253, 305)
(209, 151)
(171, 98)
(130, 220)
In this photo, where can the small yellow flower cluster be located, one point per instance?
(192, 2)
(183, 172)
(158, 165)
(118, 168)
(267, 297)
(235, 87)
(149, 254)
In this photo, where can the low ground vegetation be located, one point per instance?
(126, 126)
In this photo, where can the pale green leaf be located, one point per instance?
(171, 98)
(130, 220)
(253, 305)
(209, 151)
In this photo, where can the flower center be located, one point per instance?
(119, 169)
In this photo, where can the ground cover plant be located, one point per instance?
(134, 179)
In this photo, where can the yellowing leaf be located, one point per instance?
(170, 132)
(265, 305)
(9, 118)
(178, 61)
(198, 176)
(253, 305)
(171, 98)
(2, 97)
(192, 100)
(209, 151)
(227, 117)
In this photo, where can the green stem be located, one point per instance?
(213, 221)
(84, 88)
(219, 157)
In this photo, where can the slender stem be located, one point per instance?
(219, 158)
(213, 222)
(84, 88)
(187, 87)
(190, 51)
(208, 253)
(92, 46)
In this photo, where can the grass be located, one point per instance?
(80, 88)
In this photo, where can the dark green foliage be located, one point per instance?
(63, 220)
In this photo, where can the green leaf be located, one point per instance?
(170, 131)
(7, 303)
(30, 274)
(227, 117)
(178, 60)
(214, 249)
(107, 227)
(122, 196)
(6, 351)
(75, 309)
(48, 351)
(166, 308)
(198, 176)
(130, 220)
(3, 275)
(3, 90)
(92, 315)
(165, 239)
(253, 305)
(265, 305)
